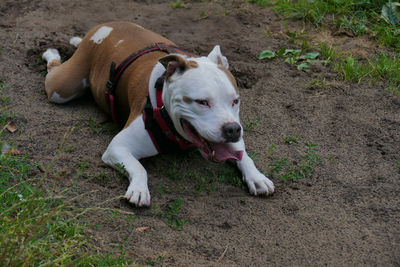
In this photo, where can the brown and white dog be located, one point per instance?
(199, 94)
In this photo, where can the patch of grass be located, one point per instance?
(262, 3)
(156, 262)
(174, 171)
(329, 52)
(37, 228)
(69, 149)
(271, 148)
(5, 101)
(357, 25)
(3, 85)
(317, 83)
(253, 155)
(96, 127)
(102, 177)
(290, 140)
(177, 4)
(252, 123)
(171, 213)
(294, 36)
(387, 35)
(5, 117)
(380, 67)
(81, 168)
(384, 67)
(291, 170)
(40, 60)
(199, 180)
(357, 16)
(350, 69)
(312, 12)
(230, 175)
(161, 189)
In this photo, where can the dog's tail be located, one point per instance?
(75, 41)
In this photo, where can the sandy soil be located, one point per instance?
(347, 213)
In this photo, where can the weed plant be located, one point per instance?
(357, 16)
(172, 214)
(291, 170)
(380, 67)
(38, 229)
(177, 4)
(297, 57)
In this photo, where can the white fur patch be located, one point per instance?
(56, 98)
(101, 34)
(118, 43)
(217, 57)
(139, 26)
(75, 41)
(51, 54)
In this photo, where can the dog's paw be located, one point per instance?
(259, 184)
(138, 196)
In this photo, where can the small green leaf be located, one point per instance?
(295, 52)
(281, 51)
(391, 13)
(312, 55)
(303, 66)
(350, 61)
(290, 60)
(267, 54)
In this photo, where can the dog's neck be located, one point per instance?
(157, 71)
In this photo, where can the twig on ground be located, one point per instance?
(222, 255)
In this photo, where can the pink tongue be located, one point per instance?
(224, 152)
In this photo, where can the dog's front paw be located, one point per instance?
(138, 196)
(259, 184)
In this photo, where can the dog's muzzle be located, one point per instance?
(231, 132)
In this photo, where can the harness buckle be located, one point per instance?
(110, 85)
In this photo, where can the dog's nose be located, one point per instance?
(231, 131)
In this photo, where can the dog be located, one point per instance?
(164, 97)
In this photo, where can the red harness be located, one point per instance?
(157, 121)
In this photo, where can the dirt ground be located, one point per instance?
(346, 214)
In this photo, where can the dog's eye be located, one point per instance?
(202, 102)
(235, 102)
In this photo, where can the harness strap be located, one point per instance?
(159, 125)
(116, 73)
(157, 120)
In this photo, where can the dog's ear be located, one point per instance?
(217, 57)
(173, 63)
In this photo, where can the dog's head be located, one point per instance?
(202, 98)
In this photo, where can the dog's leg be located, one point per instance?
(257, 183)
(66, 81)
(124, 151)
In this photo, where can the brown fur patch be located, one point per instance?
(192, 64)
(187, 99)
(173, 63)
(230, 77)
(219, 60)
(53, 63)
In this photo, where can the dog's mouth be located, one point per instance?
(216, 152)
